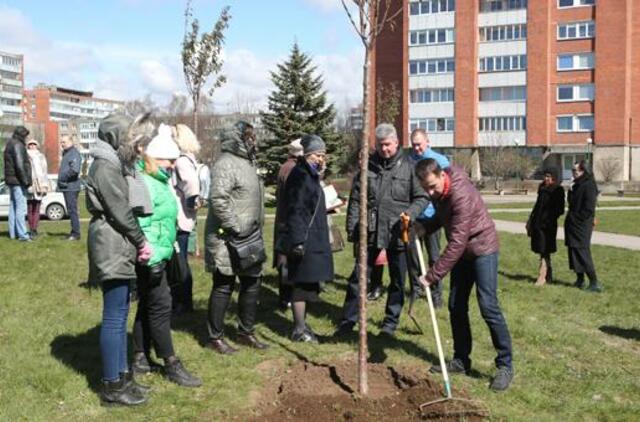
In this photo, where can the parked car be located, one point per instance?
(53, 206)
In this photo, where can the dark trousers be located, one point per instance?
(395, 295)
(113, 331)
(221, 296)
(483, 271)
(432, 243)
(152, 325)
(581, 262)
(182, 294)
(71, 200)
(285, 287)
(33, 213)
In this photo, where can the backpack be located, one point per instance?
(204, 180)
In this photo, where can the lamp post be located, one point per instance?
(589, 151)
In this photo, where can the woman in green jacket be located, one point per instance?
(153, 319)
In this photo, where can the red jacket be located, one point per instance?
(469, 228)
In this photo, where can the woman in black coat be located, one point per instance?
(542, 225)
(307, 233)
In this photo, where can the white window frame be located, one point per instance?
(431, 124)
(575, 93)
(522, 28)
(502, 124)
(576, 5)
(435, 62)
(449, 34)
(576, 57)
(575, 123)
(576, 26)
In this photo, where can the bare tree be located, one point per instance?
(201, 56)
(609, 169)
(372, 16)
(387, 102)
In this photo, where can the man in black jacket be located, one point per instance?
(392, 190)
(69, 183)
(17, 175)
(578, 226)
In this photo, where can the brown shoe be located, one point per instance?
(221, 346)
(251, 341)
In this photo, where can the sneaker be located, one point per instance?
(579, 284)
(176, 372)
(118, 393)
(454, 366)
(375, 294)
(143, 365)
(304, 336)
(503, 378)
(73, 238)
(594, 287)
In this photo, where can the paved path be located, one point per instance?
(598, 238)
(516, 210)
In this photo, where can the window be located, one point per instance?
(502, 124)
(426, 7)
(504, 93)
(575, 61)
(503, 33)
(583, 92)
(576, 30)
(502, 5)
(575, 3)
(11, 61)
(442, 124)
(426, 67)
(431, 95)
(503, 63)
(575, 123)
(434, 36)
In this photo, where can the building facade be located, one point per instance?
(69, 112)
(560, 78)
(11, 88)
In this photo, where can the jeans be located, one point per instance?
(395, 295)
(33, 214)
(17, 212)
(113, 333)
(220, 298)
(183, 293)
(71, 200)
(153, 318)
(432, 243)
(483, 271)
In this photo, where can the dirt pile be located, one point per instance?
(327, 392)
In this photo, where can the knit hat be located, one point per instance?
(162, 146)
(312, 144)
(295, 148)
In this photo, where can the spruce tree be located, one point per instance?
(297, 106)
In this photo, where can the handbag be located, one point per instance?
(176, 269)
(247, 251)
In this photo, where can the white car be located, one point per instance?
(53, 206)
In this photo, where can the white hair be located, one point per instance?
(385, 131)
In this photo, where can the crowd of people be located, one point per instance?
(144, 189)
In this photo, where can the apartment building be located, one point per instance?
(65, 111)
(560, 78)
(11, 87)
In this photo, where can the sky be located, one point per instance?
(126, 49)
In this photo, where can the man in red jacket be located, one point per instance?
(472, 257)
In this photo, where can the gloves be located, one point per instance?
(145, 252)
(298, 250)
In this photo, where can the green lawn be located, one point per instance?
(576, 353)
(529, 205)
(611, 221)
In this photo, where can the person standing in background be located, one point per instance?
(17, 175)
(69, 182)
(39, 187)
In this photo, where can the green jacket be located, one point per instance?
(159, 227)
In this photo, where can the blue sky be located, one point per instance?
(126, 49)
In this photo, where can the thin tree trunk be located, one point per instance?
(196, 101)
(363, 383)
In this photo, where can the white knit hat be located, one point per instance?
(162, 146)
(295, 148)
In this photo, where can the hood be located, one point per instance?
(113, 129)
(233, 143)
(20, 134)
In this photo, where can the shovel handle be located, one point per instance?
(404, 234)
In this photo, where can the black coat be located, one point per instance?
(392, 189)
(578, 225)
(305, 220)
(543, 221)
(17, 166)
(69, 172)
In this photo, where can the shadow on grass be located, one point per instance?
(81, 353)
(628, 333)
(531, 279)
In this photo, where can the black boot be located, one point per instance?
(143, 365)
(116, 393)
(131, 383)
(176, 372)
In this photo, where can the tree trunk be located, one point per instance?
(196, 101)
(363, 383)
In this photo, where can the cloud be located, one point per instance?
(326, 5)
(159, 77)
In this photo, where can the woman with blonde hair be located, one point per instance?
(187, 187)
(39, 187)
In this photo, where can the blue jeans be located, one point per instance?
(483, 271)
(113, 333)
(71, 200)
(18, 212)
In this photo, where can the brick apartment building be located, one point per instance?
(61, 111)
(560, 78)
(11, 87)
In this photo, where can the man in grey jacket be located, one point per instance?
(69, 182)
(392, 190)
(17, 175)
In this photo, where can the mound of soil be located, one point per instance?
(326, 392)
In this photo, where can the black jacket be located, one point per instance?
(17, 166)
(578, 225)
(543, 221)
(305, 217)
(392, 189)
(69, 173)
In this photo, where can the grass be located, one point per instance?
(610, 221)
(529, 205)
(576, 354)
